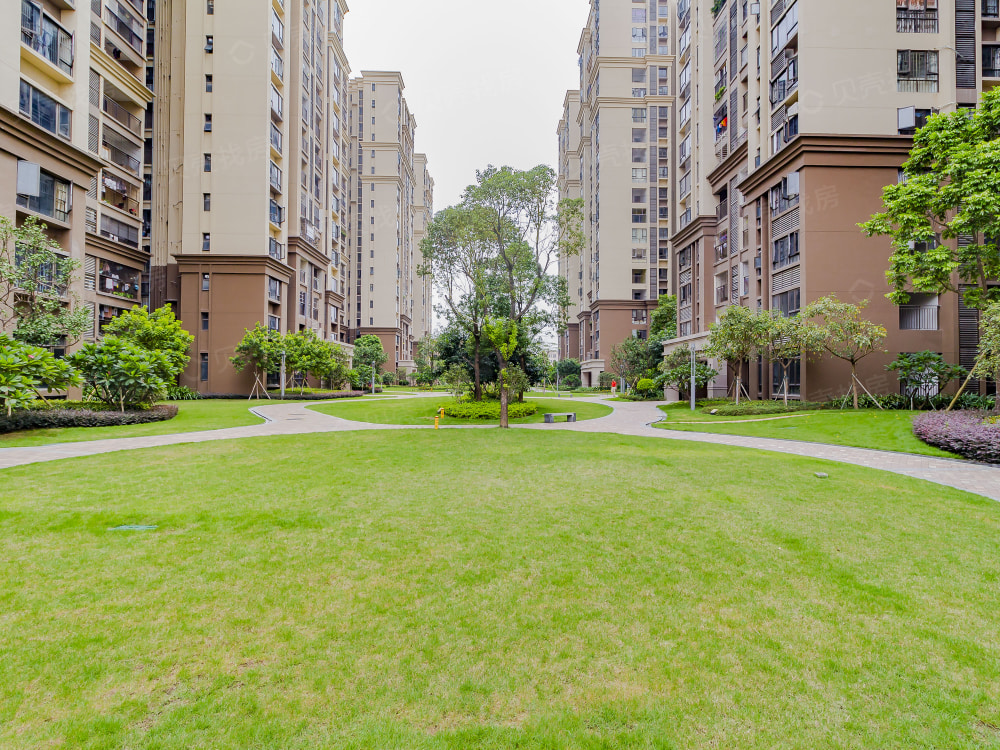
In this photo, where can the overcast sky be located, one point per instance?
(485, 80)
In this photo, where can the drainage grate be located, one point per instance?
(131, 527)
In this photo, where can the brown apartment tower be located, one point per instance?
(784, 120)
(786, 141)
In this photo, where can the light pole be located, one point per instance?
(282, 374)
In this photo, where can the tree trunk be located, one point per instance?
(739, 385)
(477, 390)
(504, 423)
(854, 383)
(784, 386)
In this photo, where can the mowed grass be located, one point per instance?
(192, 416)
(866, 428)
(421, 411)
(487, 589)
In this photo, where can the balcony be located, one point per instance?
(918, 318)
(722, 211)
(126, 30)
(122, 116)
(44, 36)
(126, 161)
(991, 61)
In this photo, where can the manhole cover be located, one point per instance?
(133, 527)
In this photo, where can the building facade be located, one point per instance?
(391, 199)
(795, 128)
(625, 160)
(71, 142)
(571, 267)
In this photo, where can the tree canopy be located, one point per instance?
(948, 197)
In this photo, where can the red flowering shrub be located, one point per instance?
(966, 433)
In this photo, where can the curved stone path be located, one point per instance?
(628, 418)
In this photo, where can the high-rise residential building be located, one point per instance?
(249, 178)
(423, 286)
(385, 291)
(785, 142)
(571, 267)
(71, 140)
(625, 155)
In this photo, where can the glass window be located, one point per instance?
(44, 111)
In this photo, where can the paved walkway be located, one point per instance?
(628, 418)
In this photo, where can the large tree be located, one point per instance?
(844, 333)
(632, 360)
(460, 262)
(368, 352)
(944, 216)
(35, 279)
(788, 339)
(739, 335)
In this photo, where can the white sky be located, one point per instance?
(485, 80)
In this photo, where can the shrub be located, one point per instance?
(604, 381)
(123, 373)
(571, 381)
(489, 410)
(966, 402)
(24, 369)
(182, 393)
(751, 408)
(963, 432)
(389, 378)
(645, 386)
(888, 401)
(84, 414)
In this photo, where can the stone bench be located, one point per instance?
(551, 418)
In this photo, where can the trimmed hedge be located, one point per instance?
(751, 408)
(489, 410)
(70, 414)
(966, 433)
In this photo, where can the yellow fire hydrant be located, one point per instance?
(438, 417)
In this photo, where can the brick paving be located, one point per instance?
(628, 418)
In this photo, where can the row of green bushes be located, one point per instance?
(489, 410)
(889, 402)
(40, 416)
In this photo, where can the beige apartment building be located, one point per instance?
(71, 142)
(785, 141)
(625, 155)
(391, 201)
(423, 286)
(249, 178)
(571, 267)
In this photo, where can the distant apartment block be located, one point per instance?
(391, 201)
(616, 149)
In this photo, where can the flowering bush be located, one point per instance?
(966, 433)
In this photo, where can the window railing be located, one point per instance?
(991, 8)
(918, 318)
(916, 21)
(275, 249)
(276, 214)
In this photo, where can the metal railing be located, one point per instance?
(119, 114)
(124, 29)
(116, 156)
(916, 21)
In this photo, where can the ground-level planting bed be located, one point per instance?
(192, 416)
(418, 591)
(421, 411)
(865, 428)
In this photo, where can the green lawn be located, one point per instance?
(380, 591)
(421, 411)
(192, 416)
(881, 430)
